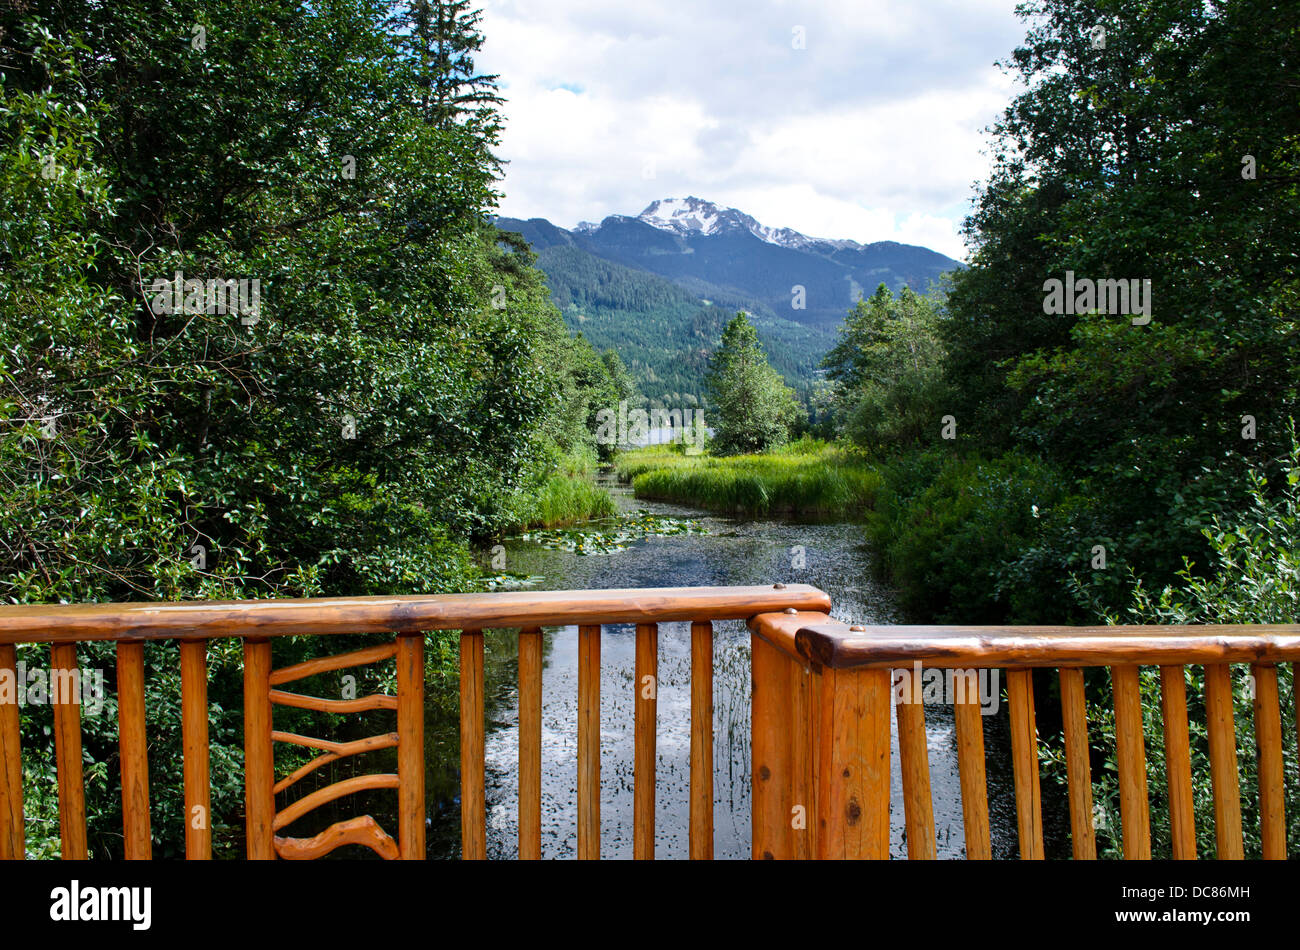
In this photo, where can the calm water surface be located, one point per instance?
(732, 553)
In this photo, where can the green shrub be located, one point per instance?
(1254, 578)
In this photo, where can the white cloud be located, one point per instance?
(873, 132)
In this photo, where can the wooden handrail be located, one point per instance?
(329, 615)
(820, 736)
(840, 659)
(838, 646)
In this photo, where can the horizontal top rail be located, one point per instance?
(59, 623)
(838, 646)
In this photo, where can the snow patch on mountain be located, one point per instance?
(697, 216)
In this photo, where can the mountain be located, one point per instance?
(658, 287)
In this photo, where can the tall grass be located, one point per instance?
(567, 496)
(808, 477)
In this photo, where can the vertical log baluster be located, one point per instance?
(645, 725)
(530, 744)
(851, 708)
(132, 740)
(1078, 769)
(194, 740)
(67, 750)
(1221, 726)
(1268, 740)
(914, 762)
(803, 766)
(1024, 756)
(473, 804)
(771, 752)
(13, 846)
(970, 765)
(701, 833)
(259, 758)
(1178, 762)
(588, 742)
(1130, 754)
(410, 746)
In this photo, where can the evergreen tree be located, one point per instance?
(753, 407)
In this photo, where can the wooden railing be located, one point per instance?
(257, 623)
(821, 714)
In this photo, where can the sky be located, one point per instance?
(859, 119)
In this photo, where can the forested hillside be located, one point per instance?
(663, 331)
(659, 290)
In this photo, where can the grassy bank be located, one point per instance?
(569, 495)
(808, 477)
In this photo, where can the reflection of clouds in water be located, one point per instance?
(733, 553)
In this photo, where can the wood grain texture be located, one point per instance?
(645, 726)
(1130, 754)
(364, 831)
(336, 615)
(340, 661)
(914, 761)
(1178, 762)
(133, 746)
(337, 750)
(1268, 742)
(803, 764)
(410, 746)
(13, 845)
(259, 759)
(771, 752)
(1024, 759)
(852, 748)
(279, 697)
(473, 769)
(588, 743)
(1221, 727)
(833, 645)
(348, 786)
(974, 784)
(530, 744)
(67, 751)
(701, 807)
(1078, 768)
(194, 746)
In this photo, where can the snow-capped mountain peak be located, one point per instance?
(697, 216)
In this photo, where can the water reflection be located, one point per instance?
(829, 556)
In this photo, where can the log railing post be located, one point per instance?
(410, 745)
(194, 739)
(137, 837)
(820, 748)
(473, 803)
(259, 759)
(12, 839)
(67, 751)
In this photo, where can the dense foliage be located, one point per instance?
(1168, 154)
(753, 408)
(390, 381)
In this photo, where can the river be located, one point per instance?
(831, 556)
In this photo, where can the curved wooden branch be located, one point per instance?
(339, 661)
(335, 751)
(364, 831)
(375, 701)
(319, 797)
